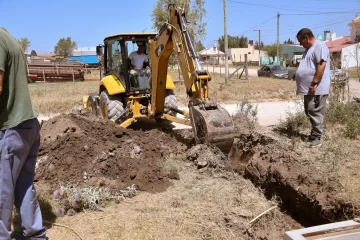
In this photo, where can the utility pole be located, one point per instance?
(278, 38)
(259, 46)
(226, 43)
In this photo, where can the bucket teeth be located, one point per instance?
(212, 126)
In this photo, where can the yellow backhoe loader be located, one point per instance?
(124, 97)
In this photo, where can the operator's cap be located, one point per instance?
(140, 44)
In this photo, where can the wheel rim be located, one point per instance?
(90, 106)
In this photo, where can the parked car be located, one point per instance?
(273, 70)
(338, 75)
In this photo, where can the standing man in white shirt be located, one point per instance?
(313, 82)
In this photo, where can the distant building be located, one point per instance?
(86, 55)
(212, 55)
(290, 51)
(350, 56)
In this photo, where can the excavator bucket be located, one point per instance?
(212, 126)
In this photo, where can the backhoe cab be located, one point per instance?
(124, 98)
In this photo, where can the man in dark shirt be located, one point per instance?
(19, 144)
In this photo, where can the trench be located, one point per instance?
(275, 169)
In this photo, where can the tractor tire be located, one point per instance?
(111, 106)
(170, 100)
(92, 105)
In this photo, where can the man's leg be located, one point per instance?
(25, 195)
(316, 106)
(6, 190)
(21, 145)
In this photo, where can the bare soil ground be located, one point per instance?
(197, 193)
(152, 184)
(313, 186)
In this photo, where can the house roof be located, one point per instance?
(46, 55)
(337, 44)
(211, 52)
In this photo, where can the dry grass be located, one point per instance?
(255, 89)
(50, 98)
(196, 207)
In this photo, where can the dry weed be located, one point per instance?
(196, 207)
(52, 98)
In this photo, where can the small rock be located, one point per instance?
(57, 194)
(192, 154)
(86, 147)
(137, 149)
(111, 154)
(59, 212)
(71, 212)
(202, 164)
(117, 201)
(133, 175)
(202, 170)
(188, 164)
(174, 175)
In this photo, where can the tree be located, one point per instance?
(64, 47)
(233, 42)
(272, 49)
(199, 46)
(195, 13)
(289, 41)
(257, 45)
(24, 43)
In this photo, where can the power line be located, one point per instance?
(311, 28)
(258, 25)
(290, 9)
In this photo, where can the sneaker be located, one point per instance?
(317, 142)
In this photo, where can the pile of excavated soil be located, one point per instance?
(81, 150)
(281, 172)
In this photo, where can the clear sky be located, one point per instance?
(88, 22)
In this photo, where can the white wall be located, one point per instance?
(350, 56)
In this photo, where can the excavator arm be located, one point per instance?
(211, 123)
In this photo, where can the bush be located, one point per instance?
(246, 115)
(346, 115)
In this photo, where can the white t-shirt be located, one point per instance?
(138, 60)
(307, 68)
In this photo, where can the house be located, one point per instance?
(350, 51)
(237, 55)
(212, 55)
(350, 56)
(336, 46)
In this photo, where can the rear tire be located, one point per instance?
(92, 105)
(170, 100)
(111, 106)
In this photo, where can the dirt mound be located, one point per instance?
(82, 150)
(274, 167)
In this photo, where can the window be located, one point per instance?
(115, 58)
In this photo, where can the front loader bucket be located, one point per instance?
(213, 126)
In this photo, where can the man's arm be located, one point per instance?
(3, 57)
(2, 74)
